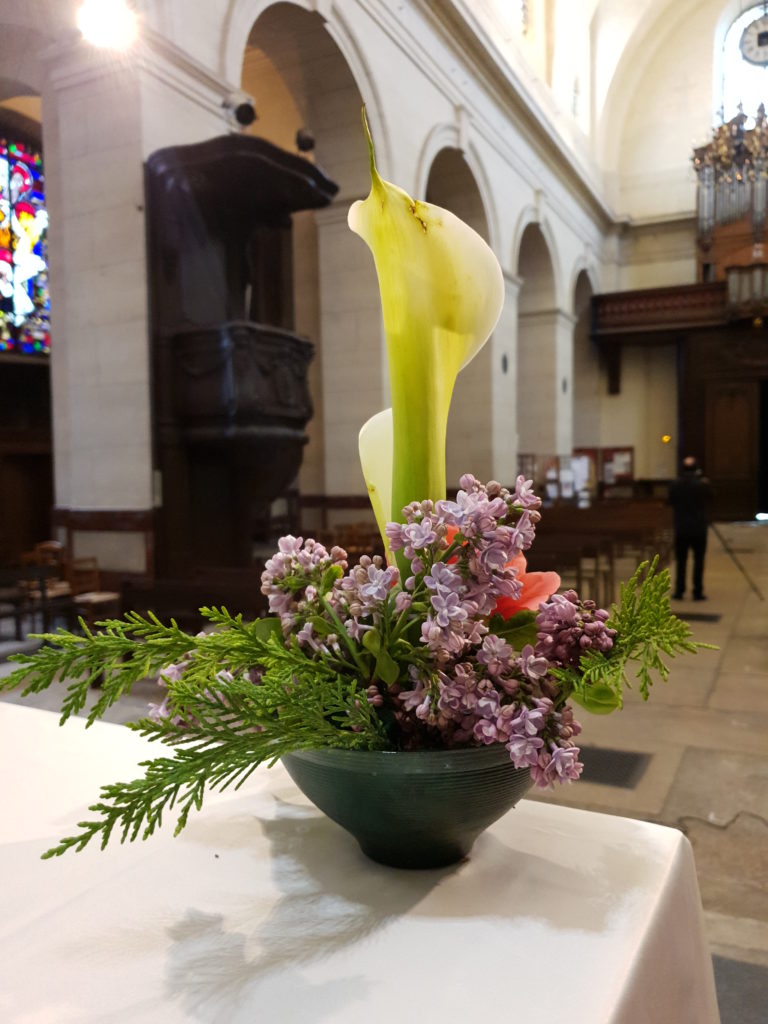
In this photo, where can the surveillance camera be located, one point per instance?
(240, 109)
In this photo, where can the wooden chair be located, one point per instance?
(44, 581)
(91, 602)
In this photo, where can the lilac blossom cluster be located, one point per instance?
(463, 590)
(569, 626)
(454, 675)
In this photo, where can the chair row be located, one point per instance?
(48, 584)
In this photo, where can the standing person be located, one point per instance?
(690, 496)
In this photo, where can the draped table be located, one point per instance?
(264, 910)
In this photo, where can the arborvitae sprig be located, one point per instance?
(221, 729)
(120, 652)
(123, 651)
(646, 628)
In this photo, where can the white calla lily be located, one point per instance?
(442, 292)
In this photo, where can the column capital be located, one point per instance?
(555, 317)
(512, 282)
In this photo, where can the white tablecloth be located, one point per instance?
(265, 911)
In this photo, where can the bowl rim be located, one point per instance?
(408, 761)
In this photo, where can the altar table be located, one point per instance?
(263, 910)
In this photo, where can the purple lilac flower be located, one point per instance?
(291, 576)
(533, 666)
(568, 626)
(395, 533)
(412, 699)
(523, 494)
(469, 686)
(560, 765)
(443, 576)
(449, 608)
(496, 654)
(484, 731)
(524, 530)
(529, 722)
(379, 583)
(524, 750)
(488, 704)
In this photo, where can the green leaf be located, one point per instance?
(321, 626)
(372, 640)
(329, 577)
(518, 630)
(387, 668)
(599, 699)
(263, 629)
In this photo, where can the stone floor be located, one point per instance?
(706, 731)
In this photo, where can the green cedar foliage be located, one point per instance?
(222, 725)
(646, 628)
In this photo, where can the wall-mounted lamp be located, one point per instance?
(240, 109)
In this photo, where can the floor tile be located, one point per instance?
(740, 691)
(715, 786)
(731, 864)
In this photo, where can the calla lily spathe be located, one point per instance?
(442, 292)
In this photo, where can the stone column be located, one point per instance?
(545, 382)
(504, 411)
(102, 116)
(353, 357)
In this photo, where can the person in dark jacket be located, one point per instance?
(690, 496)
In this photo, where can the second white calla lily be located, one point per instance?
(442, 292)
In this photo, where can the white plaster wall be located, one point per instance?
(92, 133)
(123, 551)
(659, 254)
(644, 411)
(661, 109)
(102, 117)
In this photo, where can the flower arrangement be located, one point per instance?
(447, 642)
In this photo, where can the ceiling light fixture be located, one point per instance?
(108, 24)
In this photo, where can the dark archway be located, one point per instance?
(452, 185)
(537, 363)
(301, 80)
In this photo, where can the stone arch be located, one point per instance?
(442, 136)
(544, 351)
(532, 216)
(301, 78)
(535, 266)
(22, 70)
(452, 185)
(238, 26)
(449, 137)
(587, 267)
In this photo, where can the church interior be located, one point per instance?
(191, 337)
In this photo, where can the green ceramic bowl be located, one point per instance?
(419, 809)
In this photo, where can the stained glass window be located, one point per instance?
(24, 302)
